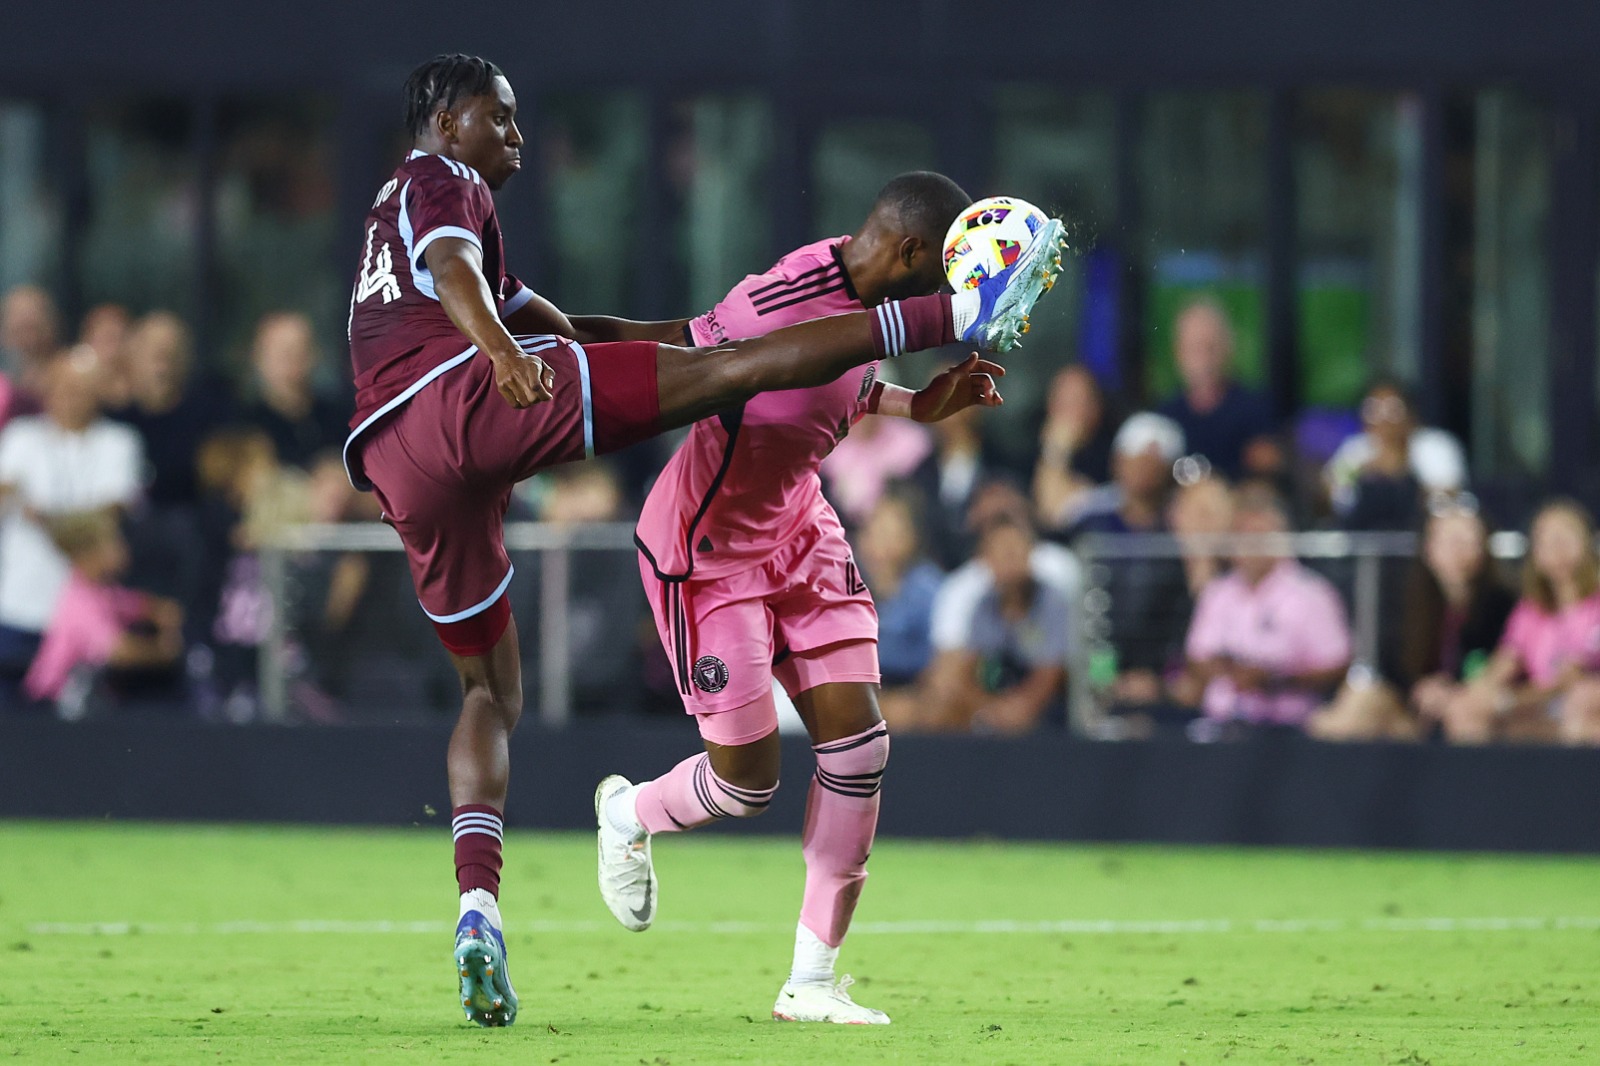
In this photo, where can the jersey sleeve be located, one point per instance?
(442, 205)
(514, 295)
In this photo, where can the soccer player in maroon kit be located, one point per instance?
(468, 382)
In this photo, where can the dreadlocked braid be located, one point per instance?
(442, 82)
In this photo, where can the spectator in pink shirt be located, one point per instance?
(1269, 639)
(96, 622)
(1543, 682)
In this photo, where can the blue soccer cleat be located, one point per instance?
(1008, 297)
(486, 992)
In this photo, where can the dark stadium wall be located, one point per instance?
(364, 45)
(1279, 791)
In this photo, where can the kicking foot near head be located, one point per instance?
(823, 1001)
(627, 876)
(994, 316)
(480, 956)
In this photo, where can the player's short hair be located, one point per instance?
(924, 202)
(442, 82)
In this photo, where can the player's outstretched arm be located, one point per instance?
(539, 315)
(464, 293)
(969, 383)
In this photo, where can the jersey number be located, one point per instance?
(377, 271)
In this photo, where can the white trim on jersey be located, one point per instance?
(523, 297)
(458, 168)
(477, 608)
(421, 276)
(588, 399)
(411, 390)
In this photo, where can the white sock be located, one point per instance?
(964, 308)
(479, 900)
(620, 812)
(813, 960)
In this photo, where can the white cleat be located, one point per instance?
(627, 876)
(820, 1002)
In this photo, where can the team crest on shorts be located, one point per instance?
(710, 674)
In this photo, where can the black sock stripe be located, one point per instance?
(703, 794)
(854, 793)
(875, 775)
(836, 747)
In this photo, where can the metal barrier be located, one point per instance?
(1354, 561)
(554, 543)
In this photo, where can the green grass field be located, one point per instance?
(178, 944)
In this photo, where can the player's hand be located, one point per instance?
(523, 379)
(970, 383)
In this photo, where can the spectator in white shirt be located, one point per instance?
(66, 459)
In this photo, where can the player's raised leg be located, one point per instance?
(993, 317)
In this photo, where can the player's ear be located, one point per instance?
(444, 121)
(910, 248)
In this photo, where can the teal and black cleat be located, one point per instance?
(486, 992)
(1009, 296)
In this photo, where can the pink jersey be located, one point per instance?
(89, 621)
(400, 337)
(746, 481)
(1546, 643)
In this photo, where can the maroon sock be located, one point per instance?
(478, 832)
(912, 325)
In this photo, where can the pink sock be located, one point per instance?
(912, 325)
(841, 819)
(690, 794)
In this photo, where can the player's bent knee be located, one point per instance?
(854, 766)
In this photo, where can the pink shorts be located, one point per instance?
(729, 637)
(444, 463)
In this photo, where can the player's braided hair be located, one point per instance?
(442, 82)
(926, 203)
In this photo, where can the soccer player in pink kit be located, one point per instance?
(751, 578)
(468, 382)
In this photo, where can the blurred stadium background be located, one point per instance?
(1357, 192)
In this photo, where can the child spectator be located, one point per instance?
(1543, 683)
(1455, 610)
(1270, 638)
(98, 623)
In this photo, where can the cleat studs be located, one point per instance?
(498, 1003)
(488, 971)
(488, 958)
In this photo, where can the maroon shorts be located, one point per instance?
(444, 462)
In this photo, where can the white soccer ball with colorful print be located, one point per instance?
(987, 237)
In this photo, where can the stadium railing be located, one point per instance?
(1131, 612)
(554, 544)
(1367, 568)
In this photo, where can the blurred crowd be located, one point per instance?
(137, 483)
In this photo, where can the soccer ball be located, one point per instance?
(988, 237)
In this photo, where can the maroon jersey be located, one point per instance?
(400, 337)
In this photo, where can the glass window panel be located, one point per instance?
(30, 211)
(275, 227)
(144, 206)
(717, 166)
(1202, 186)
(593, 158)
(1058, 150)
(853, 159)
(1357, 167)
(1511, 284)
